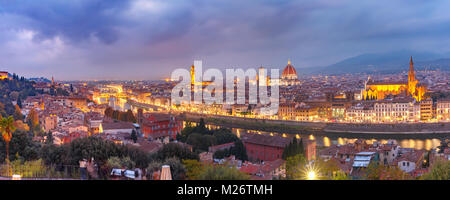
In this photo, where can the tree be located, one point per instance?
(201, 142)
(293, 148)
(221, 172)
(21, 143)
(224, 136)
(7, 128)
(175, 150)
(49, 139)
(119, 163)
(193, 168)
(239, 151)
(18, 113)
(295, 167)
(133, 135)
(340, 175)
(440, 170)
(33, 120)
(115, 114)
(109, 112)
(129, 116)
(376, 171)
(19, 102)
(20, 125)
(329, 169)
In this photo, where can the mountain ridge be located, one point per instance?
(389, 62)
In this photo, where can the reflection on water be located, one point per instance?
(328, 140)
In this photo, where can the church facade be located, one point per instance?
(381, 90)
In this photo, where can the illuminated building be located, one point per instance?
(306, 113)
(3, 75)
(398, 110)
(289, 76)
(426, 109)
(360, 113)
(380, 90)
(286, 111)
(157, 126)
(443, 109)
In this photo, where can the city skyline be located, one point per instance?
(147, 40)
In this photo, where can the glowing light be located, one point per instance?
(16, 177)
(326, 141)
(312, 175)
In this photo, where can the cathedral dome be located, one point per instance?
(289, 72)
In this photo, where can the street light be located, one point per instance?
(312, 175)
(311, 172)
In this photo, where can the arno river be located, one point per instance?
(420, 142)
(327, 139)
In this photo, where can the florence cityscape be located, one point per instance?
(90, 90)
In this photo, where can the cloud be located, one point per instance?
(147, 39)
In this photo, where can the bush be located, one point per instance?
(439, 171)
(221, 172)
(175, 150)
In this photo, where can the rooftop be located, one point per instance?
(267, 140)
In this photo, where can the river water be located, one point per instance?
(324, 139)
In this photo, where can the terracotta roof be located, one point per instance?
(347, 149)
(413, 156)
(159, 134)
(249, 168)
(289, 70)
(329, 151)
(272, 165)
(220, 147)
(267, 140)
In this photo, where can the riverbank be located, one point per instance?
(278, 126)
(295, 127)
(396, 129)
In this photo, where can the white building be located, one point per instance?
(360, 113)
(443, 110)
(399, 110)
(410, 161)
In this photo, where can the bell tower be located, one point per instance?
(412, 73)
(412, 78)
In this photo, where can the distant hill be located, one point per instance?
(390, 62)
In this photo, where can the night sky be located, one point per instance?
(148, 39)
